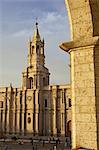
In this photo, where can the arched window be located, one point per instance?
(69, 128)
(69, 102)
(45, 103)
(37, 49)
(37, 46)
(44, 81)
(30, 83)
(1, 104)
(29, 119)
(32, 49)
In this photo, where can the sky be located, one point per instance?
(17, 23)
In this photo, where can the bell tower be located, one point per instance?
(36, 50)
(36, 74)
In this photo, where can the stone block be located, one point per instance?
(86, 121)
(87, 100)
(84, 92)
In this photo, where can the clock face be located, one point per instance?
(29, 98)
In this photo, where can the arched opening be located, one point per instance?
(69, 102)
(29, 119)
(37, 49)
(45, 103)
(69, 128)
(1, 104)
(32, 49)
(30, 83)
(44, 81)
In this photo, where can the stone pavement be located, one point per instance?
(35, 143)
(30, 147)
(33, 146)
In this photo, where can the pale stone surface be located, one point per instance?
(84, 54)
(84, 18)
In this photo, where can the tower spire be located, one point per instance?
(36, 36)
(36, 22)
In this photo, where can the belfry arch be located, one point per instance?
(84, 58)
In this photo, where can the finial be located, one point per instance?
(36, 22)
(11, 85)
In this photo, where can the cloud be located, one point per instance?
(20, 33)
(52, 17)
(53, 26)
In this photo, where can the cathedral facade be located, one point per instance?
(37, 107)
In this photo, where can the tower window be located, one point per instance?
(32, 49)
(45, 102)
(1, 104)
(37, 46)
(44, 81)
(29, 120)
(37, 49)
(30, 82)
(69, 102)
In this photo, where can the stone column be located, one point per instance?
(36, 112)
(0, 123)
(7, 116)
(23, 110)
(3, 121)
(18, 113)
(54, 117)
(14, 114)
(62, 113)
(34, 81)
(38, 80)
(33, 112)
(13, 121)
(49, 109)
(36, 122)
(84, 56)
(18, 124)
(62, 124)
(84, 85)
(40, 112)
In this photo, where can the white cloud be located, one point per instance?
(52, 17)
(55, 29)
(20, 33)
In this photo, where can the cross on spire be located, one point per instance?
(36, 22)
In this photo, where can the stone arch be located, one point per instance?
(84, 21)
(84, 18)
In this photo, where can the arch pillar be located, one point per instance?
(84, 59)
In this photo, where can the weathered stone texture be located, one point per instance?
(84, 100)
(84, 18)
(84, 54)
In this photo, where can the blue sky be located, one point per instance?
(17, 24)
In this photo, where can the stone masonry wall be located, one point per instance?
(83, 98)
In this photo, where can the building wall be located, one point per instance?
(43, 112)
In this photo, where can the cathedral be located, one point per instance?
(36, 108)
